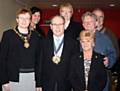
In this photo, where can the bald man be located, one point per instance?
(57, 52)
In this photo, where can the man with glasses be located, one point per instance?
(57, 52)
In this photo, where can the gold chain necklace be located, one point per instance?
(24, 38)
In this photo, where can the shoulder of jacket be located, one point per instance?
(98, 55)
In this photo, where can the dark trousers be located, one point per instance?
(118, 82)
(108, 86)
(55, 86)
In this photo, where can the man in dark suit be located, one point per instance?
(57, 52)
(72, 28)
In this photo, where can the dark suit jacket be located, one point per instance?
(55, 76)
(72, 31)
(97, 76)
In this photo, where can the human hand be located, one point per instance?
(6, 87)
(106, 61)
(38, 89)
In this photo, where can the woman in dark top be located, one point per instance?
(87, 71)
(20, 53)
(35, 21)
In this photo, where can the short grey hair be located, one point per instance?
(89, 14)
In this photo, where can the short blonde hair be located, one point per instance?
(88, 34)
(67, 5)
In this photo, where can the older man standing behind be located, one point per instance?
(101, 28)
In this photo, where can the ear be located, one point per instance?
(93, 44)
(17, 20)
(83, 25)
(96, 23)
(51, 26)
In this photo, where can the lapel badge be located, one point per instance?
(80, 56)
(96, 57)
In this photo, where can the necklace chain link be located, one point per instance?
(24, 38)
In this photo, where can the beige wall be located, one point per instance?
(8, 10)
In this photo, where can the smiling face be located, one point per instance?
(100, 17)
(86, 43)
(87, 40)
(35, 18)
(23, 20)
(66, 12)
(89, 23)
(57, 25)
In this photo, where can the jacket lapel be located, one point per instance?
(65, 47)
(51, 46)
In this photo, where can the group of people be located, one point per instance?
(72, 56)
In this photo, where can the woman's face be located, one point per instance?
(66, 13)
(87, 43)
(35, 17)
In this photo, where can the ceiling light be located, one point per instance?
(54, 5)
(111, 5)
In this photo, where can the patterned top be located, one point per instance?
(87, 64)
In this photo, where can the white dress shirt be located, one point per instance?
(57, 41)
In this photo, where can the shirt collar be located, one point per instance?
(67, 24)
(60, 37)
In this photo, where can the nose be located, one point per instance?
(87, 23)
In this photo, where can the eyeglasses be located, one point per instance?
(60, 24)
(22, 18)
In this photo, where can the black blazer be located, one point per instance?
(13, 52)
(39, 30)
(97, 76)
(53, 74)
(73, 30)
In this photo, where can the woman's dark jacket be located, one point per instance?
(97, 75)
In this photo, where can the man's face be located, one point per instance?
(100, 17)
(57, 26)
(23, 20)
(66, 13)
(89, 23)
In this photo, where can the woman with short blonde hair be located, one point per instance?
(87, 71)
